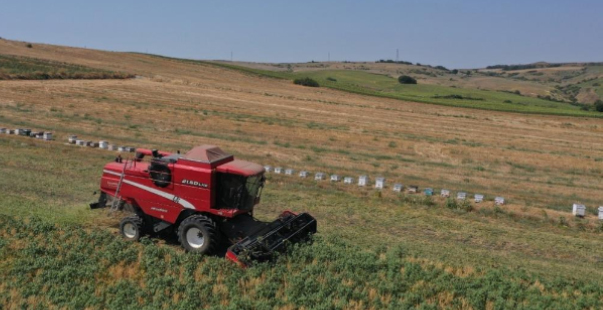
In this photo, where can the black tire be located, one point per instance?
(131, 228)
(198, 234)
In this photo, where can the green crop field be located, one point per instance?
(25, 68)
(384, 86)
(78, 269)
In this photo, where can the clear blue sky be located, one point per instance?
(454, 33)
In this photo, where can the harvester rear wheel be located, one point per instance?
(198, 234)
(131, 228)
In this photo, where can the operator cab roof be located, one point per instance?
(207, 154)
(223, 162)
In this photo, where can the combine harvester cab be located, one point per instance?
(206, 197)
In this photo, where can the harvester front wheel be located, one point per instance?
(198, 234)
(131, 228)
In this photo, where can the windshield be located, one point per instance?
(238, 192)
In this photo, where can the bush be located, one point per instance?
(332, 79)
(306, 82)
(599, 106)
(29, 45)
(462, 205)
(405, 79)
(454, 71)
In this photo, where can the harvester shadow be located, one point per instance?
(168, 237)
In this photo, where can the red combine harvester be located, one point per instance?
(206, 196)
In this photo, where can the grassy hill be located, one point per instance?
(376, 84)
(540, 80)
(374, 249)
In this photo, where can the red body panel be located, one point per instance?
(191, 187)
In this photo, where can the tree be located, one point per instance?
(599, 105)
(455, 71)
(306, 82)
(405, 79)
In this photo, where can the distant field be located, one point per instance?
(385, 86)
(25, 68)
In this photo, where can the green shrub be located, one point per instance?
(29, 45)
(306, 82)
(599, 105)
(460, 205)
(405, 79)
(332, 79)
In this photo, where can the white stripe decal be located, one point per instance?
(157, 192)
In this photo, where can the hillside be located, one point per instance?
(571, 82)
(374, 249)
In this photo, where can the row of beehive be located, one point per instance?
(579, 210)
(44, 135)
(100, 144)
(363, 180)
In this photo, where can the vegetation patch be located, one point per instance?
(54, 266)
(457, 97)
(306, 82)
(25, 68)
(405, 79)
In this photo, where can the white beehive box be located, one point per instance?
(398, 187)
(121, 149)
(601, 213)
(499, 201)
(130, 149)
(278, 170)
(112, 147)
(445, 193)
(413, 189)
(578, 210)
(461, 195)
(363, 180)
(303, 174)
(478, 198)
(80, 142)
(18, 131)
(380, 183)
(348, 180)
(335, 178)
(268, 168)
(289, 171)
(319, 176)
(47, 136)
(72, 139)
(103, 145)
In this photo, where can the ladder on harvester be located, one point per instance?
(117, 198)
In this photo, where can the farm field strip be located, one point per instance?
(425, 131)
(424, 230)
